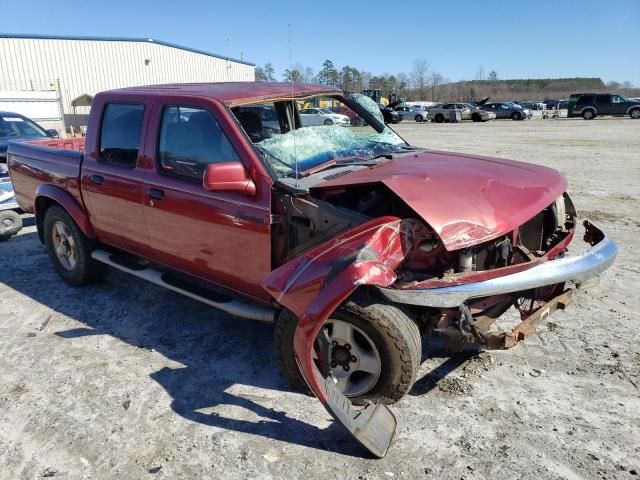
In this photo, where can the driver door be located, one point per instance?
(222, 237)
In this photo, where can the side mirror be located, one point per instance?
(53, 133)
(228, 177)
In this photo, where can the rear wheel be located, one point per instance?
(376, 351)
(439, 118)
(588, 114)
(69, 249)
(635, 113)
(516, 116)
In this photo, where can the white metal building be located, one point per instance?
(80, 66)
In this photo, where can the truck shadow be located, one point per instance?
(223, 359)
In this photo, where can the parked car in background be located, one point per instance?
(310, 117)
(468, 111)
(590, 105)
(10, 220)
(531, 105)
(14, 126)
(416, 112)
(389, 114)
(507, 110)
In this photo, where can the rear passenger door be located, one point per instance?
(603, 104)
(112, 180)
(223, 237)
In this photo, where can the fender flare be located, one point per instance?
(631, 108)
(65, 200)
(313, 285)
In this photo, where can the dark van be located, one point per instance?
(590, 105)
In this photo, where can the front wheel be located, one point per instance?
(419, 118)
(328, 122)
(635, 113)
(69, 249)
(516, 116)
(376, 351)
(439, 118)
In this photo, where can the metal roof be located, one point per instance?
(122, 39)
(232, 92)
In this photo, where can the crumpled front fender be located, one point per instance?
(314, 284)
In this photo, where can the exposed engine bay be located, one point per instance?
(307, 221)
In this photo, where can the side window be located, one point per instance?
(120, 134)
(190, 139)
(603, 99)
(616, 99)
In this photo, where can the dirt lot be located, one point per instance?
(126, 380)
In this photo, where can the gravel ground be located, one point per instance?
(126, 380)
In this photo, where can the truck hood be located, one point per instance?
(466, 199)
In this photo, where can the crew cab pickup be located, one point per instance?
(354, 242)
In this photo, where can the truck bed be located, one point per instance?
(50, 161)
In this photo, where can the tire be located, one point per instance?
(635, 113)
(396, 338)
(10, 224)
(476, 118)
(419, 118)
(328, 122)
(439, 118)
(589, 114)
(79, 269)
(515, 116)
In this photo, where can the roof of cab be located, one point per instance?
(230, 92)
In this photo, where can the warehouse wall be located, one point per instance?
(90, 66)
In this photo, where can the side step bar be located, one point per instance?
(168, 281)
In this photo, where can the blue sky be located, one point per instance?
(518, 39)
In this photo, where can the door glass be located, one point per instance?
(120, 134)
(190, 139)
(616, 99)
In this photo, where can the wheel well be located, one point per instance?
(43, 204)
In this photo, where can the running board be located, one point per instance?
(172, 282)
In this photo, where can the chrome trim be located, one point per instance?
(576, 269)
(233, 307)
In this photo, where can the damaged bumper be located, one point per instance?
(576, 269)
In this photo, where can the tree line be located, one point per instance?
(424, 83)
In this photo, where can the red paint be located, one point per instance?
(366, 255)
(228, 177)
(466, 199)
(70, 204)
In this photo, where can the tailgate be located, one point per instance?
(44, 162)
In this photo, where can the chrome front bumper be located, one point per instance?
(576, 269)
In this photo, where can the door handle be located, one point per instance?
(156, 193)
(97, 179)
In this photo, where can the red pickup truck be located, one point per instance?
(354, 242)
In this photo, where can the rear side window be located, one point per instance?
(190, 139)
(120, 134)
(585, 100)
(603, 99)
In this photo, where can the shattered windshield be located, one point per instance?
(319, 139)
